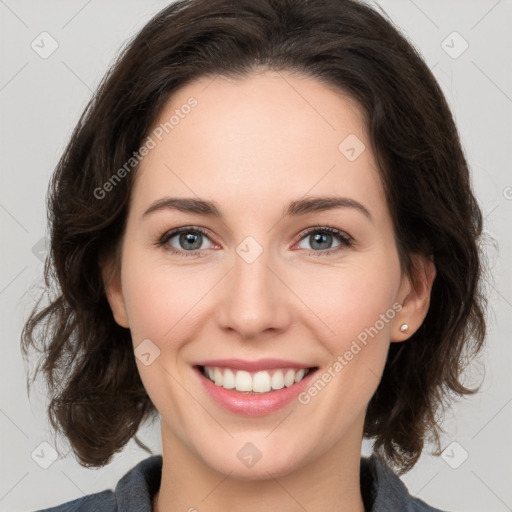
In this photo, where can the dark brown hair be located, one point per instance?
(96, 396)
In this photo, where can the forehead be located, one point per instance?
(271, 135)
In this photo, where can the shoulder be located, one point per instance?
(104, 501)
(386, 491)
(133, 493)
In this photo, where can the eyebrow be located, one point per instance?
(294, 208)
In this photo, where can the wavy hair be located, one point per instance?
(96, 397)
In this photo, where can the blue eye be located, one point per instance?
(189, 238)
(190, 241)
(322, 236)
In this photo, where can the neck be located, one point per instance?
(328, 484)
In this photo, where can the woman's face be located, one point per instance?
(256, 287)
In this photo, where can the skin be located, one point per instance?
(252, 146)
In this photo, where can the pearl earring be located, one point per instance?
(404, 327)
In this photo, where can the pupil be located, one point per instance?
(321, 238)
(189, 238)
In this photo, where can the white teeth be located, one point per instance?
(258, 382)
(289, 378)
(261, 382)
(229, 379)
(217, 377)
(243, 381)
(299, 375)
(277, 380)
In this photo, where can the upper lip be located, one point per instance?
(253, 366)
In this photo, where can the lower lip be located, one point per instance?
(254, 404)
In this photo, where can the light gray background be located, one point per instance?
(41, 100)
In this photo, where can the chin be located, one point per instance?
(261, 460)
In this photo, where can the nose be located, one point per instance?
(255, 301)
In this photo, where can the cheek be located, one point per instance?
(155, 295)
(162, 303)
(355, 306)
(348, 300)
(159, 301)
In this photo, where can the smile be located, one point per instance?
(263, 381)
(253, 388)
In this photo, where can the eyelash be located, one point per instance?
(345, 240)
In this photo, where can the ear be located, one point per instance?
(414, 296)
(111, 275)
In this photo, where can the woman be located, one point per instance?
(330, 290)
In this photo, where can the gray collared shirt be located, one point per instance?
(382, 491)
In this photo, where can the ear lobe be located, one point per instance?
(111, 276)
(416, 297)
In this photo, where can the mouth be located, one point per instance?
(254, 382)
(253, 388)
